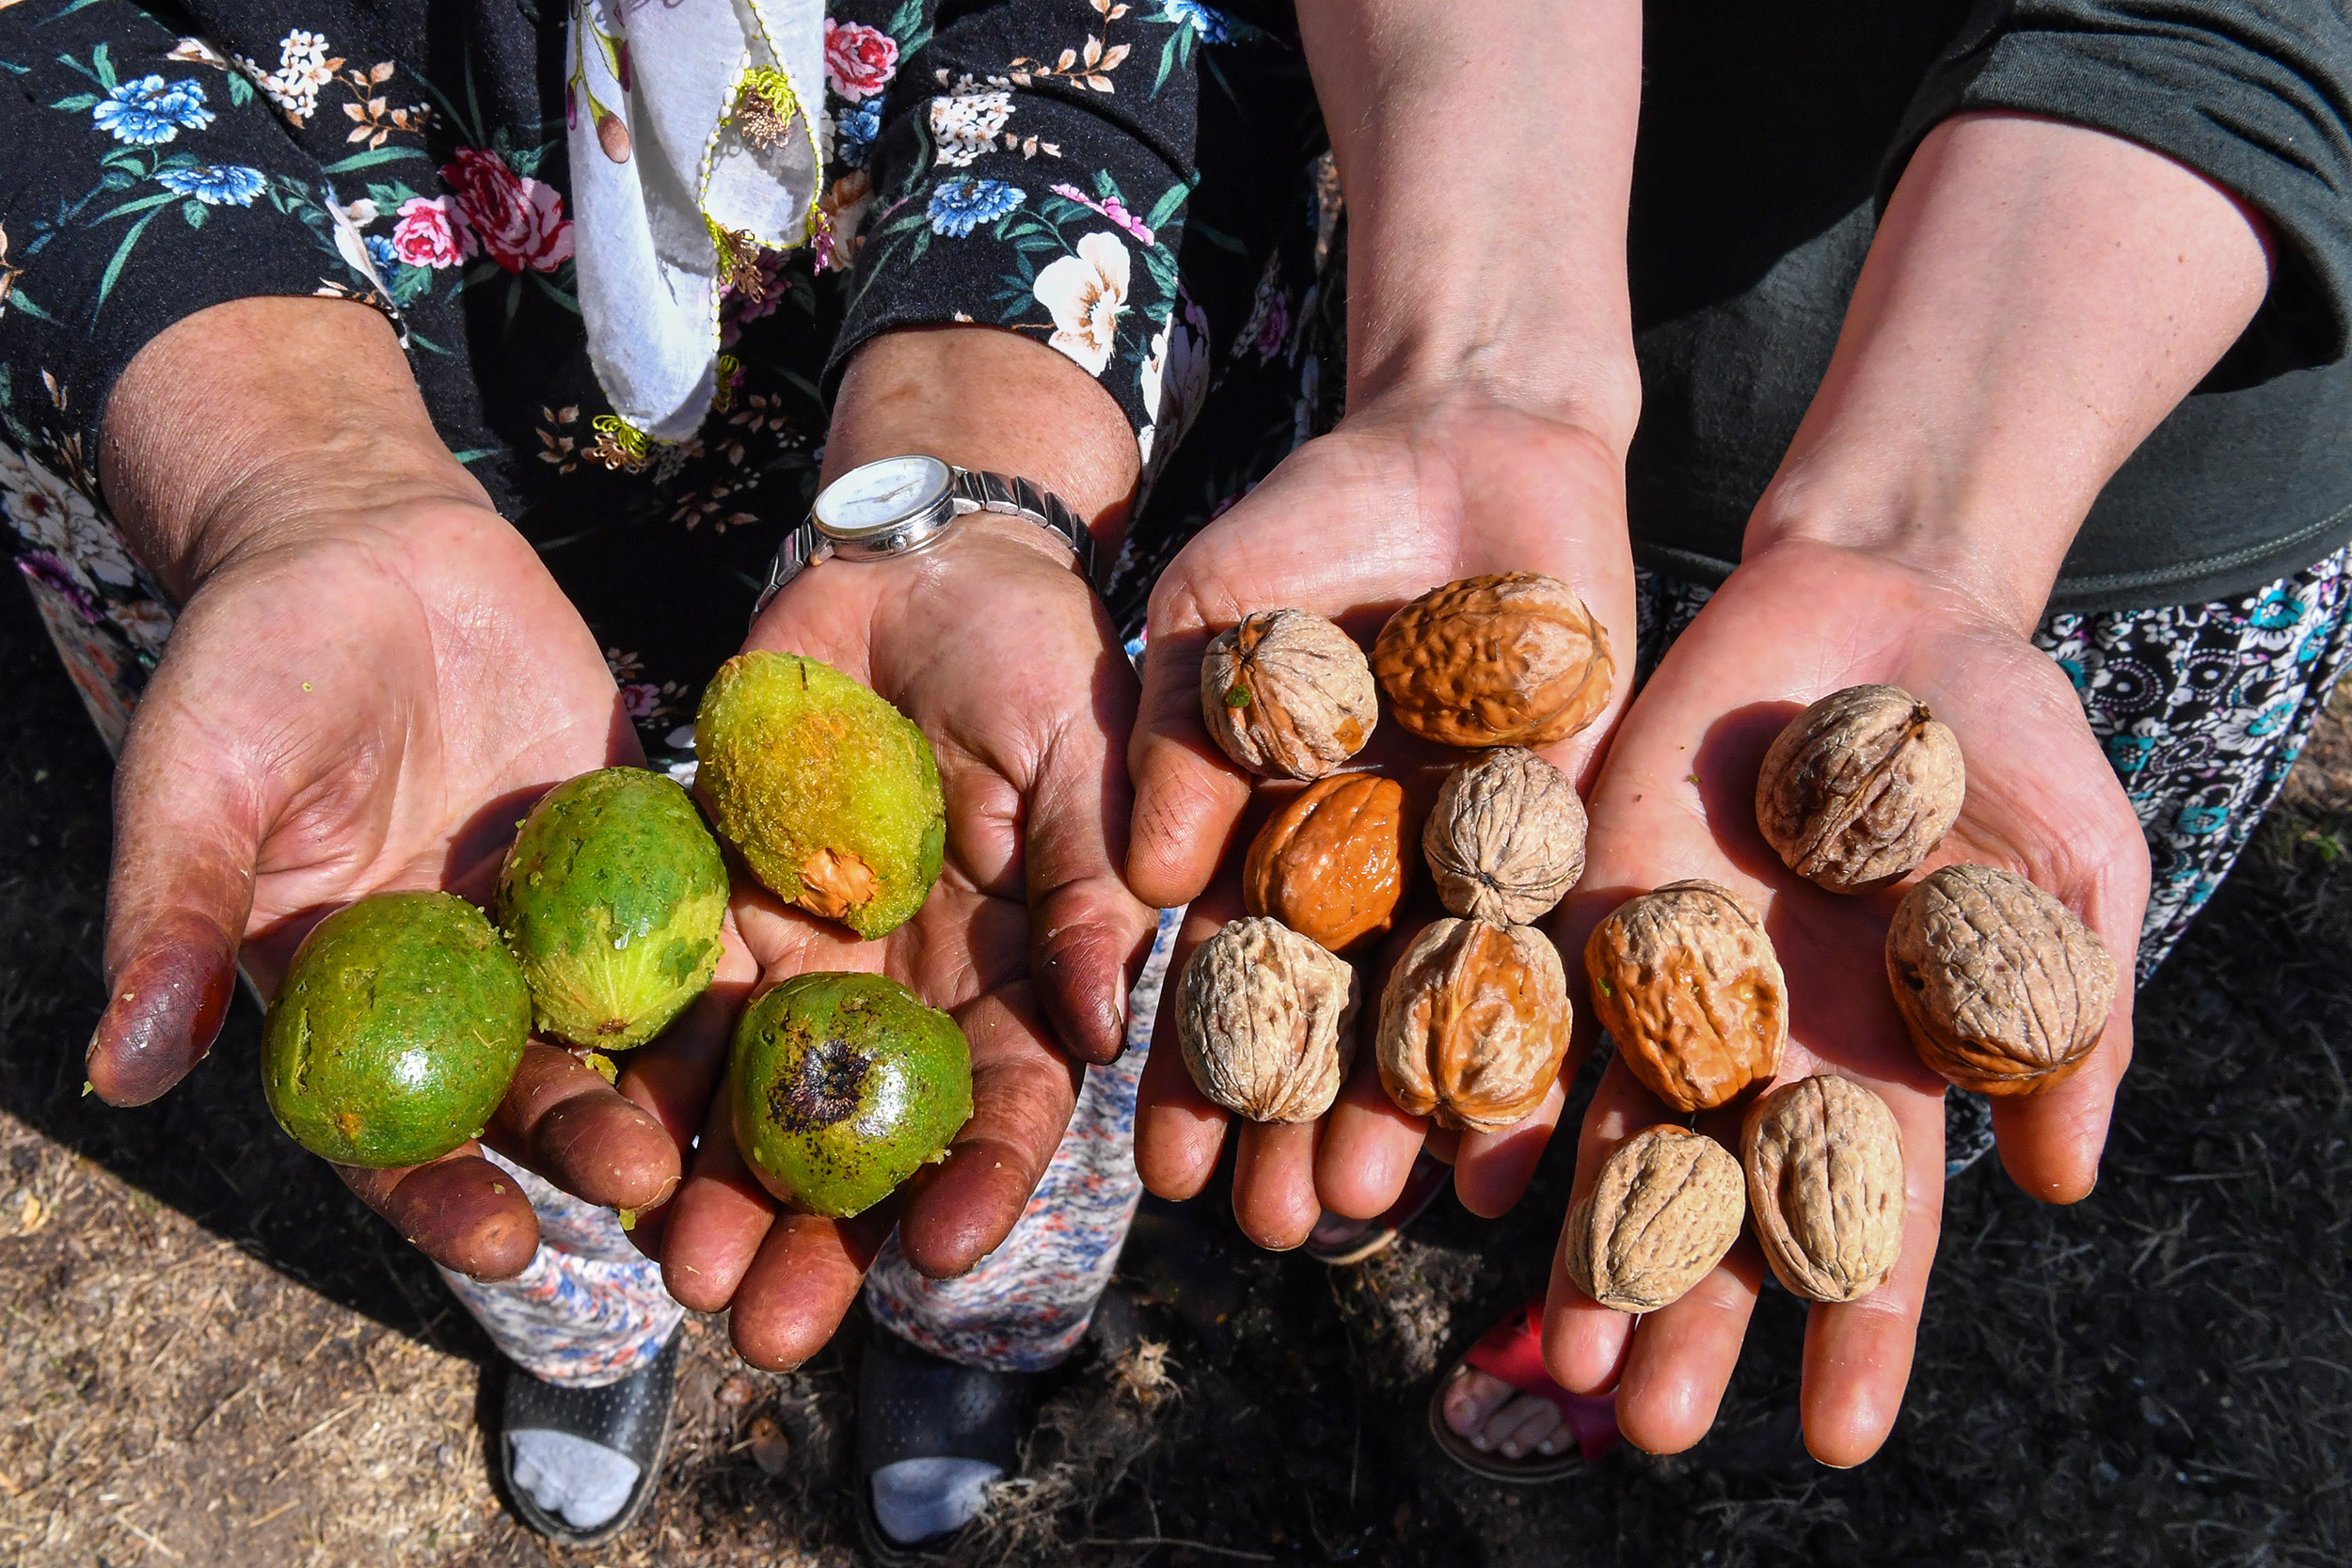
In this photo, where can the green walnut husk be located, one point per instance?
(401, 1022)
(832, 794)
(842, 1087)
(611, 897)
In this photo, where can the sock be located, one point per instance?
(583, 1482)
(918, 1499)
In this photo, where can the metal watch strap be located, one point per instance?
(969, 490)
(1014, 497)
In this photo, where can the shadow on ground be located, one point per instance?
(2161, 1375)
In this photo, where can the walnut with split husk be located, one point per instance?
(1686, 982)
(1287, 694)
(1664, 1210)
(1824, 1161)
(1510, 659)
(1505, 840)
(2003, 989)
(1473, 1023)
(1860, 788)
(1331, 864)
(1267, 1021)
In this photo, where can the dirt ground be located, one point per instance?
(213, 1353)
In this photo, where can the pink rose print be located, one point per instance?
(1111, 207)
(642, 699)
(518, 222)
(429, 234)
(1273, 327)
(859, 61)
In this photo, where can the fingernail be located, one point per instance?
(1478, 1441)
(1548, 1445)
(163, 1013)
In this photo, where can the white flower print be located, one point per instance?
(303, 69)
(1174, 380)
(54, 516)
(147, 623)
(965, 124)
(1087, 295)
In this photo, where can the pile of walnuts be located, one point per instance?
(2002, 988)
(1474, 1019)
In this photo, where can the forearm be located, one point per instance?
(981, 398)
(1486, 158)
(2038, 298)
(259, 413)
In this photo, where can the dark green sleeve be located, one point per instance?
(2255, 95)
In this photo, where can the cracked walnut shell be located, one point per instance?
(1287, 694)
(1267, 1021)
(1505, 840)
(1860, 788)
(1664, 1211)
(1825, 1182)
(2003, 989)
(1331, 864)
(1511, 660)
(1686, 982)
(1473, 1023)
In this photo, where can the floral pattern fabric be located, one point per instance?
(1090, 173)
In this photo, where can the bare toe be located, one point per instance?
(1471, 1399)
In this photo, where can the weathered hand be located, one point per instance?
(1677, 800)
(351, 703)
(1405, 495)
(999, 651)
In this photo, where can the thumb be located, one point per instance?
(1087, 930)
(187, 833)
(1188, 796)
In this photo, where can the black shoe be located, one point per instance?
(912, 1404)
(630, 1417)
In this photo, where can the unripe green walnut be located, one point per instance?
(401, 1022)
(832, 794)
(842, 1087)
(611, 897)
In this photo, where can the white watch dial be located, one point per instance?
(879, 495)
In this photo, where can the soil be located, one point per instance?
(212, 1351)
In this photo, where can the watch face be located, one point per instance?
(879, 497)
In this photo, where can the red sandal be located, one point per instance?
(1512, 1352)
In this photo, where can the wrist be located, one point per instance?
(1997, 556)
(983, 399)
(310, 413)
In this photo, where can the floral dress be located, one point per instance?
(1087, 172)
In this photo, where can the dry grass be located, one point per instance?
(211, 1352)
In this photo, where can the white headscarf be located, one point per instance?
(693, 148)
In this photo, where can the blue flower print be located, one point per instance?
(380, 251)
(853, 132)
(1213, 26)
(215, 184)
(150, 111)
(960, 206)
(2277, 610)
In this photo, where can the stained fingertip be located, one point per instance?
(1081, 973)
(2051, 1143)
(1492, 1170)
(961, 1210)
(1274, 1184)
(163, 1010)
(462, 1211)
(803, 1284)
(1179, 1131)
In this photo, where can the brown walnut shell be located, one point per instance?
(1287, 694)
(1473, 1023)
(1511, 660)
(1686, 982)
(1267, 1021)
(2003, 989)
(1505, 840)
(1825, 1182)
(1860, 788)
(1331, 864)
(1665, 1209)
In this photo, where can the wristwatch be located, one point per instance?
(898, 505)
